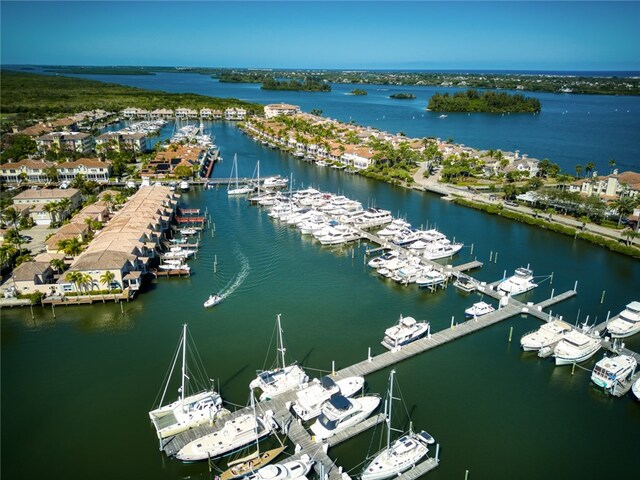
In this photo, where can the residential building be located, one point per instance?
(66, 141)
(186, 113)
(33, 171)
(277, 109)
(176, 155)
(132, 112)
(235, 114)
(35, 201)
(135, 141)
(209, 114)
(31, 277)
(161, 114)
(609, 187)
(90, 168)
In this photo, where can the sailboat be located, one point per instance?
(189, 410)
(281, 379)
(400, 455)
(249, 463)
(237, 190)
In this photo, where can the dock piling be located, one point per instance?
(510, 333)
(491, 256)
(472, 249)
(573, 368)
(452, 318)
(121, 308)
(369, 355)
(552, 290)
(495, 259)
(53, 310)
(575, 286)
(333, 368)
(602, 297)
(466, 474)
(32, 317)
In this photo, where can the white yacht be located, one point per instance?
(236, 434)
(478, 309)
(376, 262)
(275, 182)
(291, 470)
(611, 370)
(184, 186)
(575, 347)
(409, 274)
(441, 249)
(548, 335)
(170, 265)
(190, 410)
(282, 378)
(520, 282)
(393, 228)
(340, 413)
(406, 331)
(233, 188)
(400, 455)
(373, 217)
(627, 323)
(309, 401)
(188, 231)
(465, 283)
(431, 279)
(337, 236)
(212, 301)
(407, 237)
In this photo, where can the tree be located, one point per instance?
(51, 173)
(624, 206)
(612, 163)
(107, 279)
(71, 247)
(11, 215)
(51, 208)
(629, 235)
(63, 207)
(550, 211)
(584, 219)
(78, 182)
(588, 168)
(316, 111)
(107, 198)
(58, 265)
(182, 171)
(75, 278)
(578, 170)
(86, 281)
(7, 252)
(20, 146)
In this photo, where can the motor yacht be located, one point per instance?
(340, 413)
(548, 335)
(612, 370)
(441, 249)
(520, 282)
(212, 301)
(636, 388)
(376, 262)
(431, 278)
(393, 228)
(373, 217)
(626, 323)
(575, 347)
(406, 331)
(309, 400)
(478, 309)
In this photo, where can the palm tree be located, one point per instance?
(12, 216)
(107, 278)
(63, 207)
(550, 211)
(629, 235)
(51, 208)
(584, 219)
(578, 170)
(87, 281)
(624, 206)
(588, 168)
(58, 265)
(75, 278)
(71, 247)
(108, 199)
(612, 163)
(7, 251)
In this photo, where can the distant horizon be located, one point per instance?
(336, 69)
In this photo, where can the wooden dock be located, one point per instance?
(178, 272)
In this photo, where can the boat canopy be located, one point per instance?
(408, 321)
(340, 403)
(327, 383)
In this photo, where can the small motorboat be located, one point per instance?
(212, 301)
(478, 309)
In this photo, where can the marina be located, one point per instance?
(446, 374)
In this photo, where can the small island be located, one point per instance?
(358, 91)
(309, 84)
(403, 96)
(487, 102)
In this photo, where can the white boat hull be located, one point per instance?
(368, 405)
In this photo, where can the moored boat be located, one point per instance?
(610, 371)
(627, 322)
(291, 470)
(309, 400)
(520, 282)
(478, 309)
(340, 413)
(548, 335)
(406, 331)
(575, 347)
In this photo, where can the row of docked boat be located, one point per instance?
(569, 345)
(409, 270)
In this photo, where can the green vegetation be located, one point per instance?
(358, 91)
(310, 84)
(31, 94)
(403, 96)
(611, 244)
(491, 102)
(17, 147)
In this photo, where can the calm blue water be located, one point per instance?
(570, 130)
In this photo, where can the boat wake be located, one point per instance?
(234, 283)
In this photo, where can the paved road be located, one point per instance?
(432, 183)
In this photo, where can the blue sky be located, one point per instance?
(416, 35)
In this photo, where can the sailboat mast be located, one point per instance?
(184, 360)
(391, 375)
(235, 166)
(281, 348)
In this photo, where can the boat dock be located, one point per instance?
(178, 272)
(300, 437)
